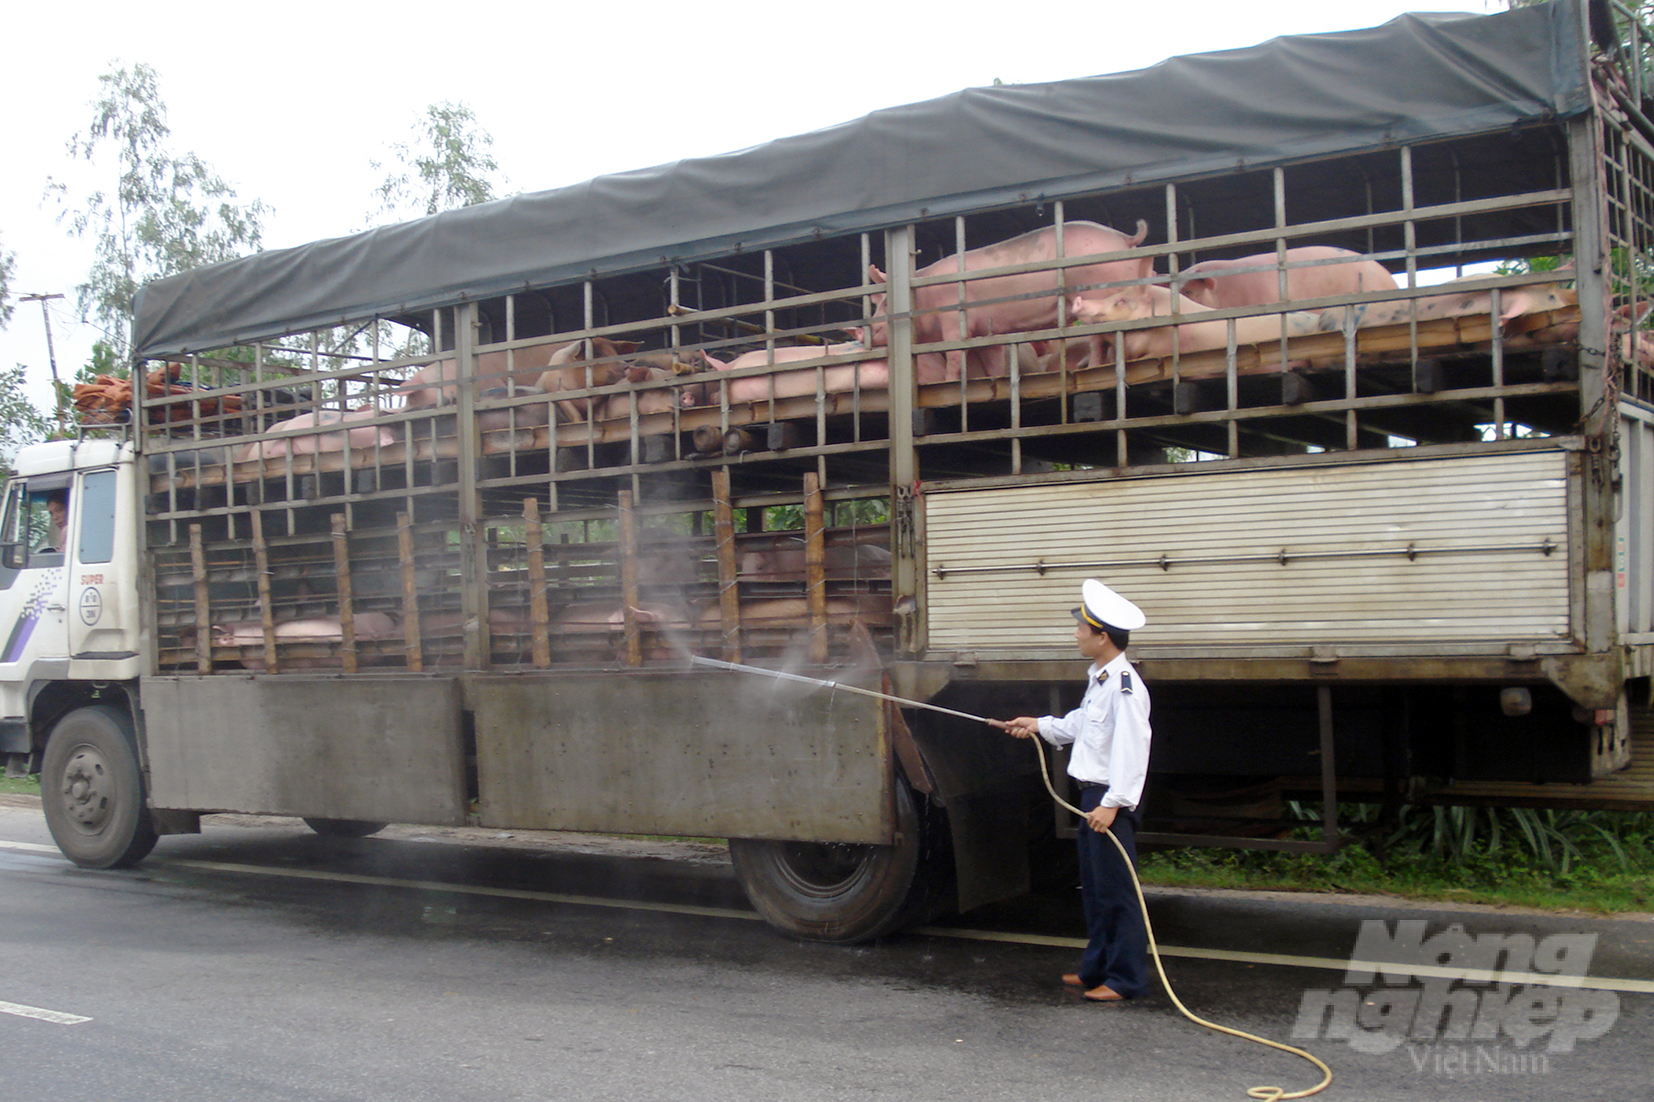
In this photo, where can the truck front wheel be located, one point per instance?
(838, 893)
(93, 791)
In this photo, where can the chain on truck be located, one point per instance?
(423, 525)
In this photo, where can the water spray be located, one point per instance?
(1264, 1094)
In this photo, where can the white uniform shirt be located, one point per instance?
(1110, 733)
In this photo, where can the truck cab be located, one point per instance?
(69, 614)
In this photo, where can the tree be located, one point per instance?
(168, 212)
(447, 165)
(8, 262)
(20, 422)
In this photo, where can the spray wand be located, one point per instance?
(1264, 1094)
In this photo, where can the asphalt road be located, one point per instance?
(259, 962)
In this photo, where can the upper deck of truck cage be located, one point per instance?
(1291, 99)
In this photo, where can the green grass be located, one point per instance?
(1555, 860)
(28, 786)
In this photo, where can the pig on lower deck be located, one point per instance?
(937, 307)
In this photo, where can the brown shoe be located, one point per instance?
(1103, 993)
(1072, 979)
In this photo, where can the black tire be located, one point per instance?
(840, 893)
(93, 791)
(344, 828)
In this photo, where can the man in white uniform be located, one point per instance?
(1110, 733)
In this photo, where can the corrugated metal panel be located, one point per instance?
(1476, 526)
(1634, 537)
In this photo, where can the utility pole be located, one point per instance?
(51, 355)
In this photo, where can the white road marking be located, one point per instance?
(57, 1017)
(1282, 960)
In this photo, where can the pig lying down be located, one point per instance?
(1020, 303)
(1322, 272)
(1154, 342)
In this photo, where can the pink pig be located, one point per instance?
(1219, 285)
(306, 443)
(936, 307)
(1136, 303)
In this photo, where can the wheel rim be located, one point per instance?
(88, 790)
(822, 869)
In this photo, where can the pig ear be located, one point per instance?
(876, 274)
(627, 347)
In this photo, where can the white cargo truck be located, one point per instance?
(424, 525)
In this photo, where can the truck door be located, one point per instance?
(98, 584)
(34, 583)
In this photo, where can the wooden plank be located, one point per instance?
(815, 568)
(539, 614)
(341, 580)
(266, 611)
(203, 610)
(410, 594)
(628, 581)
(729, 597)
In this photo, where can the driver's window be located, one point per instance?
(48, 517)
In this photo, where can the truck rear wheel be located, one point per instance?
(833, 892)
(344, 828)
(93, 791)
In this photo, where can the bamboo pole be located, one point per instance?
(729, 594)
(410, 594)
(203, 610)
(347, 608)
(628, 581)
(266, 611)
(815, 567)
(534, 535)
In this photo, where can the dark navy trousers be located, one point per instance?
(1117, 952)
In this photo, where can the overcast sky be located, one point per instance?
(290, 102)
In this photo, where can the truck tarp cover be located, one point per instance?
(1415, 78)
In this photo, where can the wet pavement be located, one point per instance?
(259, 961)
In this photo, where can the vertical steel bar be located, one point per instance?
(473, 552)
(907, 569)
(1599, 390)
(1329, 770)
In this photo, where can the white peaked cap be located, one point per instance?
(1103, 608)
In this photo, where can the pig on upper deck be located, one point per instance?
(1136, 303)
(1222, 284)
(936, 307)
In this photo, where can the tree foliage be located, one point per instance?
(166, 213)
(8, 263)
(20, 422)
(447, 165)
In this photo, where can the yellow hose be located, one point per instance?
(1264, 1094)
